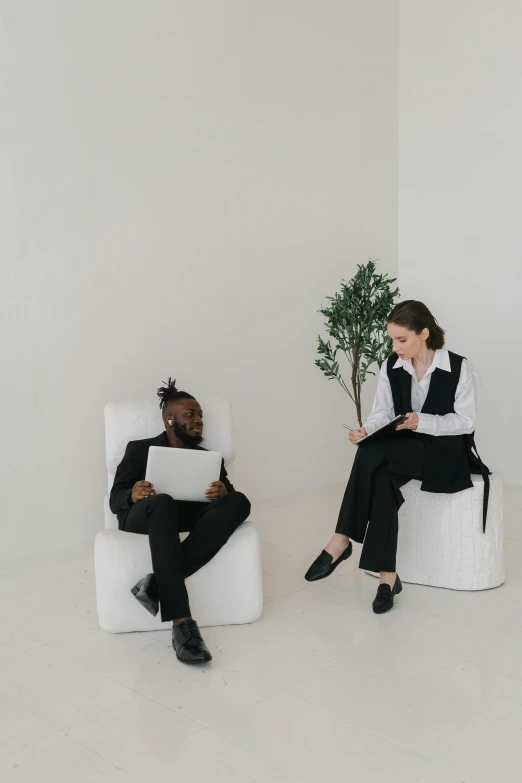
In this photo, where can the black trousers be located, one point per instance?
(369, 511)
(163, 519)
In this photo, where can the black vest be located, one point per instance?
(449, 459)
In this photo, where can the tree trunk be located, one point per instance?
(356, 385)
(358, 401)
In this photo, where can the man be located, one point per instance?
(141, 510)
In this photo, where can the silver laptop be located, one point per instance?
(184, 474)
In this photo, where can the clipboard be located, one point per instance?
(386, 429)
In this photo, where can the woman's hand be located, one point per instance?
(356, 435)
(411, 422)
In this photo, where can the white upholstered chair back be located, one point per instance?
(125, 421)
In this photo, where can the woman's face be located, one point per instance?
(407, 344)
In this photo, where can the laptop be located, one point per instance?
(184, 474)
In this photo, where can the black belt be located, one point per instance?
(484, 472)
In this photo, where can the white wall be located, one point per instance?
(182, 185)
(460, 191)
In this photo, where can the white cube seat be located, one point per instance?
(441, 540)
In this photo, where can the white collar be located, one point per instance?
(440, 361)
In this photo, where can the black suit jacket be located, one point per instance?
(133, 467)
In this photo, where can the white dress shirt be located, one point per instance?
(462, 422)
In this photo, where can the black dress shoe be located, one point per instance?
(188, 643)
(146, 592)
(383, 601)
(323, 566)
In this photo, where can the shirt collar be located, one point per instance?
(441, 361)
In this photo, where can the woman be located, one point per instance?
(434, 389)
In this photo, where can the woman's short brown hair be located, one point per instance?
(415, 316)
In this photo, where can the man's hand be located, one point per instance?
(356, 435)
(141, 490)
(411, 422)
(216, 490)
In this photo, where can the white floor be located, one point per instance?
(320, 686)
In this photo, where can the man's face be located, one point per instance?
(187, 421)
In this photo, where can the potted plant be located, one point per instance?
(355, 319)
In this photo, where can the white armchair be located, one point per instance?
(226, 591)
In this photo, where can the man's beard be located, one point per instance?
(188, 440)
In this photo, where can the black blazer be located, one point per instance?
(133, 467)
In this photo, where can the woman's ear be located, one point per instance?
(425, 333)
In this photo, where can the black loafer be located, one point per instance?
(383, 601)
(146, 592)
(188, 643)
(323, 566)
